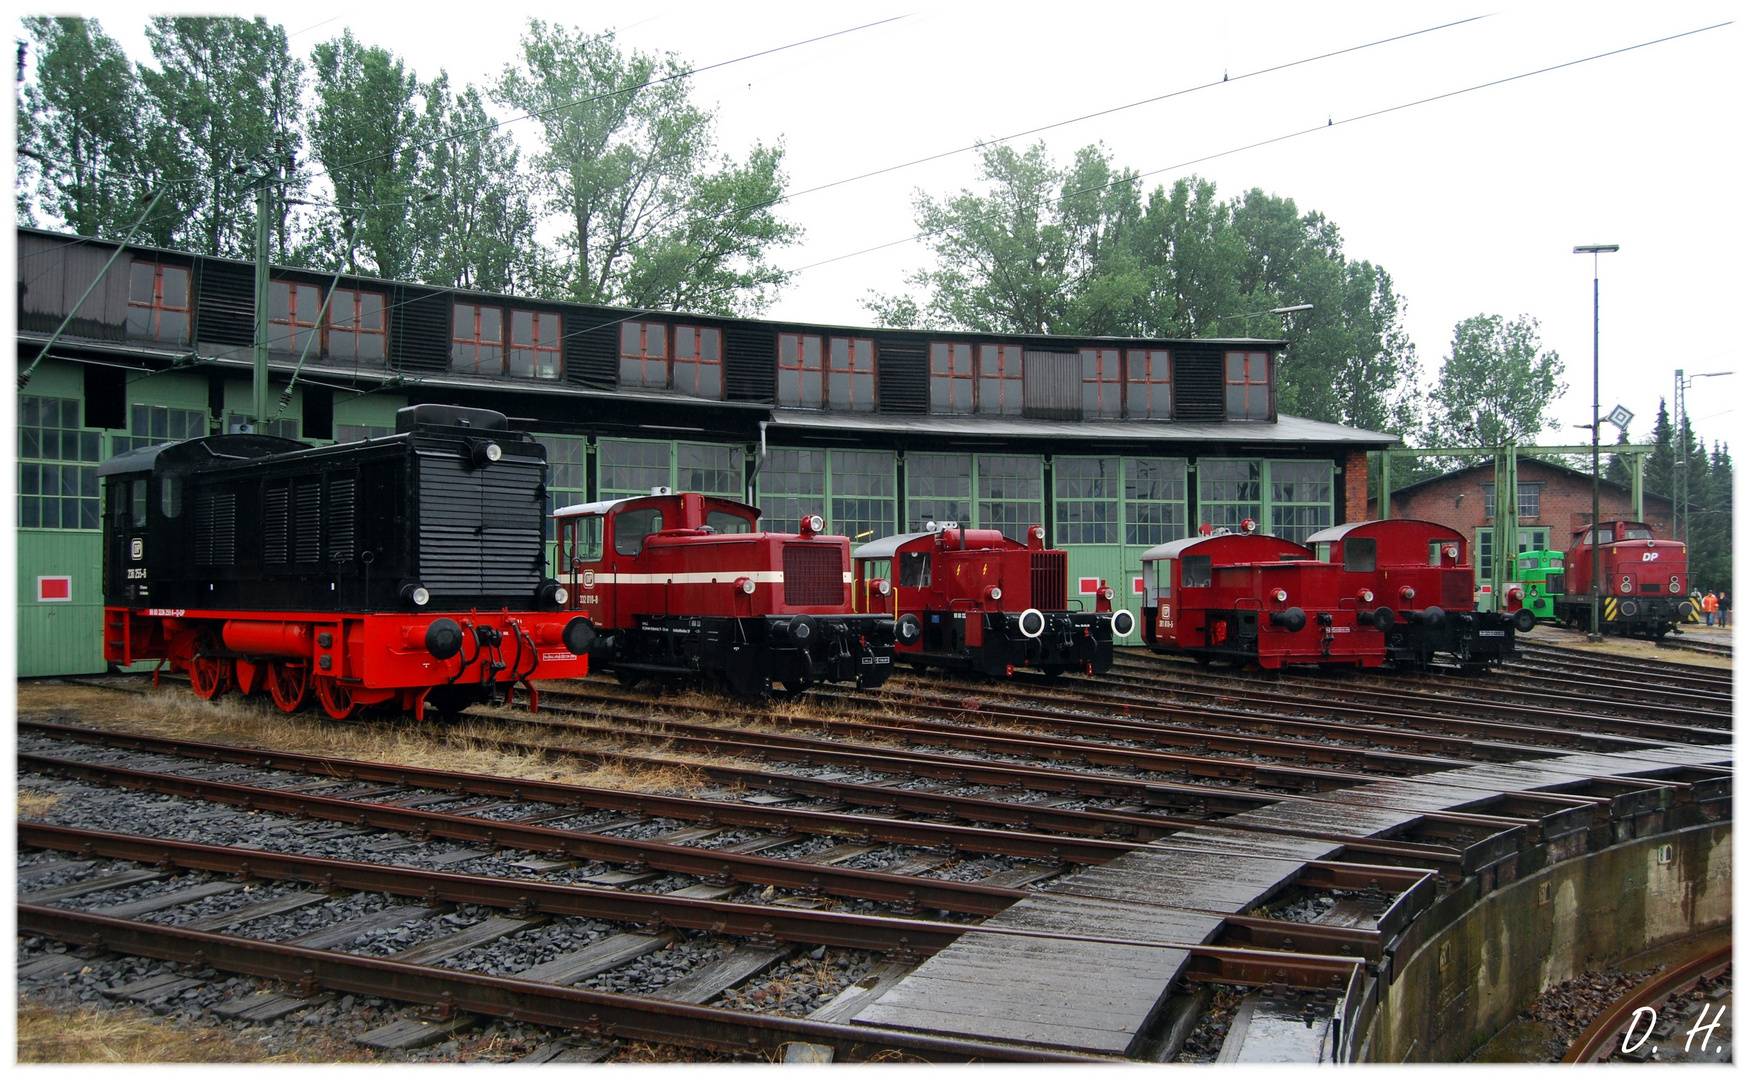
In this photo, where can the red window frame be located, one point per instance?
(1148, 383)
(1248, 386)
(302, 304)
(477, 342)
(850, 377)
(1000, 387)
(153, 308)
(698, 361)
(952, 378)
(1101, 384)
(351, 333)
(801, 366)
(643, 354)
(537, 357)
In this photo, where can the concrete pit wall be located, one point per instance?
(1493, 954)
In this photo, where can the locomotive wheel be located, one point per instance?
(1054, 671)
(336, 699)
(210, 676)
(288, 685)
(628, 679)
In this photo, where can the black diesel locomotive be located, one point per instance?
(406, 569)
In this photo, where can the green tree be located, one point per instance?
(473, 224)
(1076, 251)
(80, 128)
(226, 101)
(364, 130)
(653, 219)
(1497, 383)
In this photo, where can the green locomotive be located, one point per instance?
(1544, 574)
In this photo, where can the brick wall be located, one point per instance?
(1457, 500)
(1354, 501)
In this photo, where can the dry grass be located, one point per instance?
(34, 804)
(1631, 648)
(92, 1035)
(173, 712)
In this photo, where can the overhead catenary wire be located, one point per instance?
(1326, 126)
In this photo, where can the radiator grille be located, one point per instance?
(1651, 588)
(307, 519)
(1050, 580)
(275, 521)
(813, 575)
(480, 531)
(215, 529)
(341, 517)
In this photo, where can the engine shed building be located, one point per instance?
(1554, 502)
(1114, 445)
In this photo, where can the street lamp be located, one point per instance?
(1288, 310)
(1679, 499)
(1596, 634)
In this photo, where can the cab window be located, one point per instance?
(1323, 550)
(583, 539)
(722, 521)
(914, 569)
(1360, 554)
(1159, 582)
(1635, 532)
(139, 500)
(632, 527)
(170, 496)
(1197, 572)
(120, 499)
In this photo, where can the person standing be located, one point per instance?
(1724, 608)
(1709, 605)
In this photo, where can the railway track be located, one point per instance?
(369, 798)
(878, 827)
(1604, 1038)
(1709, 648)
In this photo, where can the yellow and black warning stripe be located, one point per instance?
(1610, 605)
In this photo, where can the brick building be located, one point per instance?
(1554, 501)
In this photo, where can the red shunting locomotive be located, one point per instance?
(1643, 581)
(974, 599)
(404, 570)
(1252, 598)
(684, 587)
(1413, 580)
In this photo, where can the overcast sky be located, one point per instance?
(1472, 203)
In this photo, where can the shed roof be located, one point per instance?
(1294, 430)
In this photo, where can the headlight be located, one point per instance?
(1280, 596)
(417, 593)
(993, 593)
(1366, 596)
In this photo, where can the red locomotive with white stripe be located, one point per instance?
(684, 587)
(972, 599)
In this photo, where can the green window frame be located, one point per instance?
(856, 491)
(1289, 499)
(1156, 500)
(567, 473)
(152, 425)
(1530, 538)
(1088, 499)
(1010, 494)
(626, 468)
(938, 487)
(1300, 498)
(57, 465)
(1229, 490)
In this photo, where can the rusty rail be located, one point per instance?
(1595, 1042)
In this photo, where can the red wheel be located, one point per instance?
(210, 676)
(336, 699)
(289, 684)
